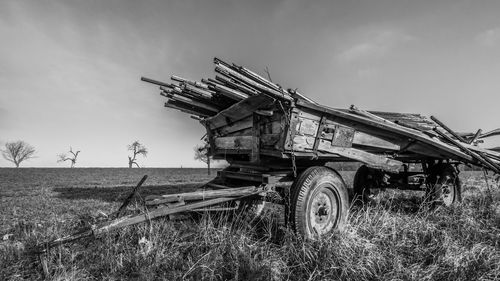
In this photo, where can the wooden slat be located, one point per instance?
(239, 125)
(367, 140)
(186, 110)
(199, 195)
(255, 155)
(193, 102)
(152, 214)
(238, 111)
(373, 160)
(238, 143)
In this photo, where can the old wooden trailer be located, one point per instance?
(277, 143)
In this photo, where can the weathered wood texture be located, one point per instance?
(248, 117)
(199, 195)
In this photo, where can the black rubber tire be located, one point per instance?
(325, 188)
(445, 187)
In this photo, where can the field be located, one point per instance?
(395, 238)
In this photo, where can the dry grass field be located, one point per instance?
(397, 238)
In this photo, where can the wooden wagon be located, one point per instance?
(277, 143)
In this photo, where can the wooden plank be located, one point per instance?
(368, 140)
(193, 102)
(239, 142)
(343, 136)
(395, 130)
(244, 132)
(373, 160)
(238, 111)
(307, 127)
(199, 195)
(322, 123)
(152, 214)
(255, 155)
(304, 114)
(189, 111)
(239, 125)
(242, 176)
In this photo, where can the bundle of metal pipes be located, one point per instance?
(206, 98)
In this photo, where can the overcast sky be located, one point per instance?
(70, 70)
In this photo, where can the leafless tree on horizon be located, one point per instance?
(18, 151)
(63, 157)
(138, 149)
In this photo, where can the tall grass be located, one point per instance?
(396, 239)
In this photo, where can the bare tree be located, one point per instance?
(137, 149)
(63, 157)
(201, 153)
(18, 151)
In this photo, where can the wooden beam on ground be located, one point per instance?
(200, 195)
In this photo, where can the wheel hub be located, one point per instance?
(322, 212)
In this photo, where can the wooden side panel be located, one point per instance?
(364, 139)
(373, 160)
(234, 143)
(239, 125)
(238, 111)
(304, 131)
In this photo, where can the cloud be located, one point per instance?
(489, 38)
(374, 45)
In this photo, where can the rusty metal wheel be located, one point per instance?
(444, 187)
(319, 202)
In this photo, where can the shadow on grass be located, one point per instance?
(397, 202)
(119, 193)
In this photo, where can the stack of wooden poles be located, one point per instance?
(232, 83)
